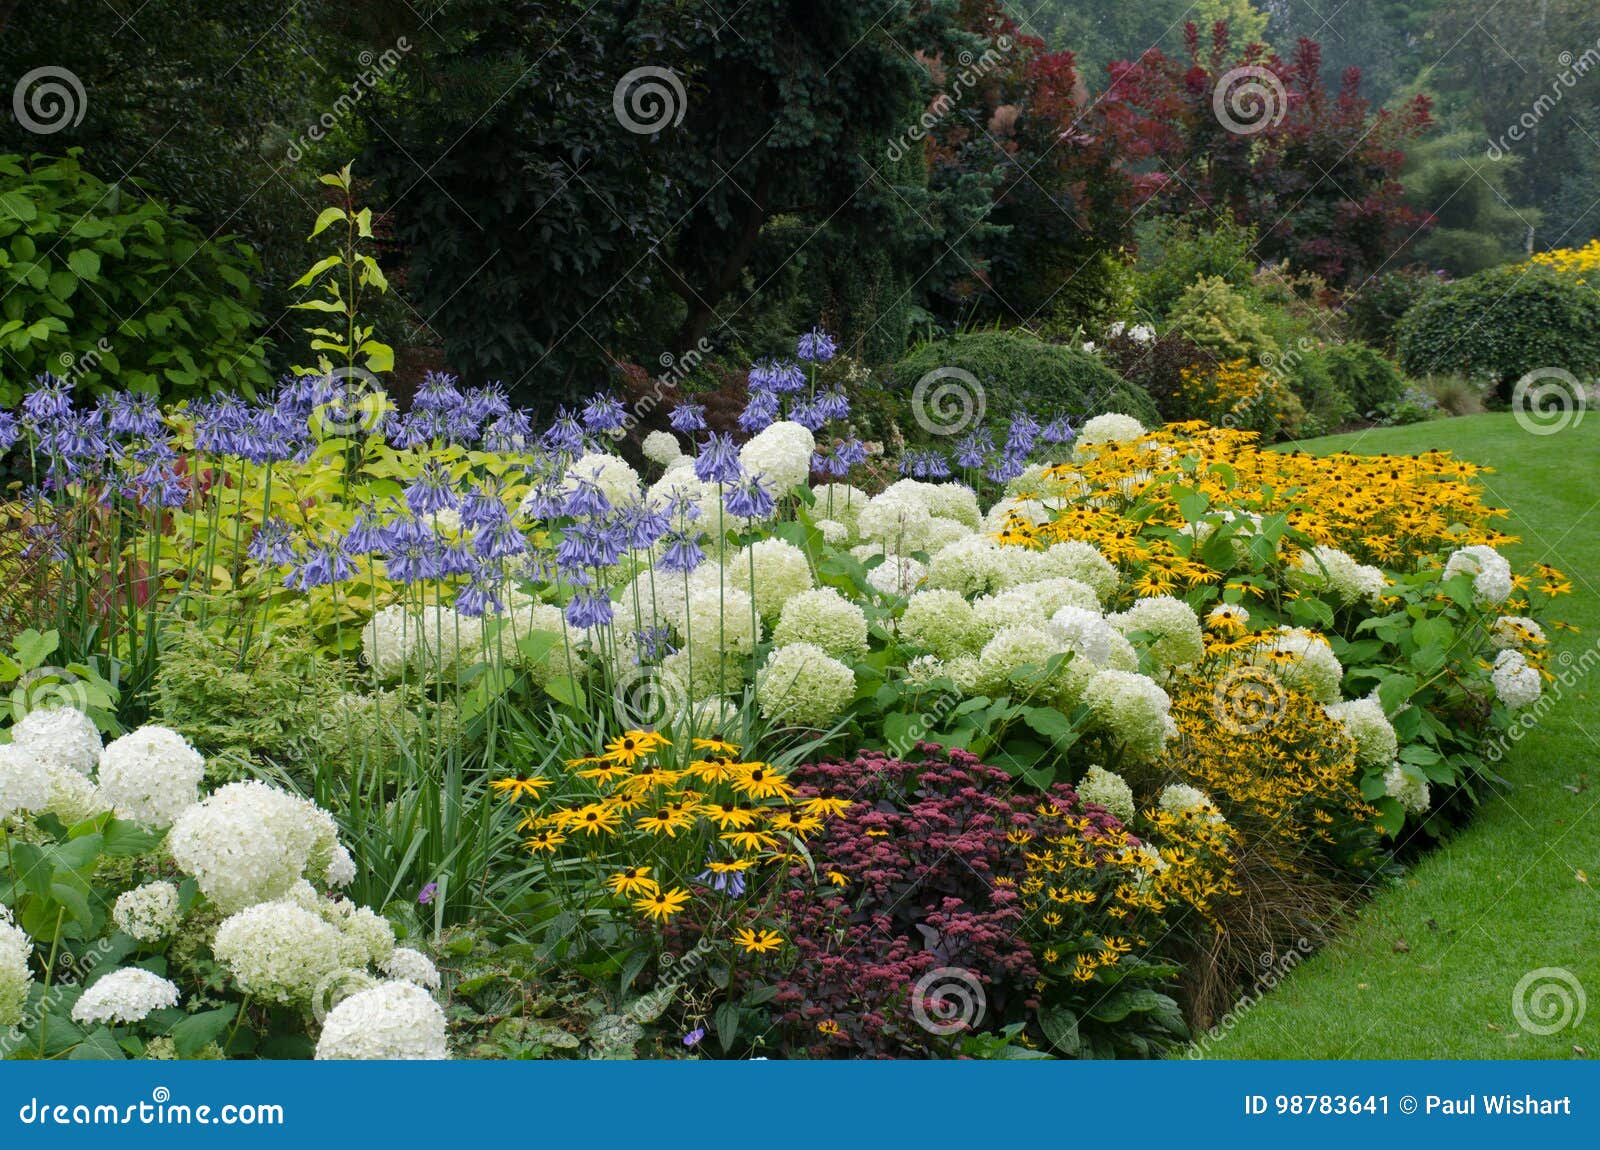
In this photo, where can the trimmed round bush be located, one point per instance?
(1375, 309)
(1370, 380)
(1020, 372)
(1503, 323)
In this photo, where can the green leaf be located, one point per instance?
(1060, 1026)
(727, 1023)
(192, 1034)
(100, 1046)
(1051, 723)
(325, 219)
(565, 689)
(86, 263)
(127, 840)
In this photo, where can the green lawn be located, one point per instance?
(1429, 968)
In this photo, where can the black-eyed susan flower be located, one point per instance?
(546, 840)
(757, 941)
(635, 880)
(751, 840)
(837, 878)
(826, 806)
(593, 819)
(663, 821)
(516, 786)
(716, 746)
(728, 815)
(660, 905)
(760, 781)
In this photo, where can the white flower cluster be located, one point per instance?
(151, 776)
(780, 454)
(1409, 786)
(63, 738)
(841, 503)
(1174, 627)
(395, 1021)
(390, 641)
(1180, 799)
(15, 976)
(802, 685)
(826, 619)
(1109, 790)
(148, 913)
(249, 842)
(611, 474)
(1491, 574)
(1516, 682)
(1330, 570)
(24, 781)
(124, 996)
(1108, 428)
(280, 951)
(911, 515)
(1366, 724)
(1133, 709)
(661, 447)
(1516, 631)
(1304, 661)
(773, 571)
(413, 966)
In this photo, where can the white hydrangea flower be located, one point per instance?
(16, 977)
(1028, 645)
(661, 447)
(369, 939)
(834, 533)
(618, 482)
(1177, 640)
(970, 566)
(1364, 721)
(1108, 428)
(24, 781)
(1328, 569)
(940, 621)
(412, 966)
(1516, 682)
(1015, 507)
(395, 1021)
(341, 869)
(802, 685)
(73, 798)
(826, 618)
(1311, 665)
(953, 501)
(1516, 631)
(1093, 640)
(1409, 786)
(720, 620)
(1109, 790)
(59, 737)
(249, 842)
(151, 776)
(280, 951)
(148, 913)
(780, 572)
(391, 641)
(780, 454)
(839, 502)
(1179, 799)
(1491, 574)
(897, 575)
(124, 996)
(681, 492)
(1134, 709)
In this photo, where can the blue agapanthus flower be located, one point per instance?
(688, 416)
(816, 346)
